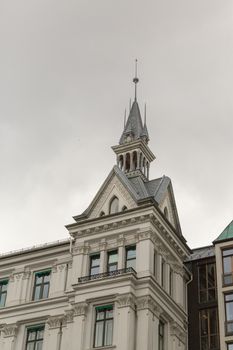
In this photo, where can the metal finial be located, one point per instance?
(136, 80)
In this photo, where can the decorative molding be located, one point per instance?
(179, 332)
(147, 302)
(61, 267)
(80, 249)
(126, 300)
(80, 309)
(10, 330)
(55, 321)
(69, 316)
(26, 275)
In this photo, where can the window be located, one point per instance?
(161, 335)
(114, 206)
(227, 266)
(163, 273)
(103, 326)
(131, 257)
(41, 287)
(35, 338)
(112, 261)
(3, 292)
(230, 346)
(94, 264)
(229, 313)
(207, 282)
(209, 329)
(155, 264)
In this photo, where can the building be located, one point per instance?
(120, 282)
(210, 294)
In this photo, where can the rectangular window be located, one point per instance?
(131, 257)
(103, 326)
(112, 261)
(227, 267)
(3, 292)
(161, 335)
(41, 286)
(209, 329)
(207, 282)
(35, 338)
(230, 346)
(94, 264)
(229, 313)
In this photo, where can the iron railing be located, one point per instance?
(107, 274)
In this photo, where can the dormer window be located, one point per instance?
(114, 206)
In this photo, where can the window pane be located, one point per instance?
(39, 345)
(2, 299)
(227, 252)
(112, 257)
(108, 332)
(45, 291)
(229, 297)
(131, 263)
(40, 334)
(95, 260)
(131, 253)
(227, 264)
(37, 293)
(30, 346)
(114, 206)
(211, 275)
(94, 270)
(230, 347)
(109, 313)
(229, 311)
(39, 278)
(202, 277)
(47, 278)
(99, 333)
(31, 335)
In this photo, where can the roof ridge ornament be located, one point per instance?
(136, 80)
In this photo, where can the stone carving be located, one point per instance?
(69, 316)
(55, 321)
(26, 275)
(80, 249)
(10, 330)
(125, 300)
(80, 309)
(178, 331)
(62, 267)
(147, 302)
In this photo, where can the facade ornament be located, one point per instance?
(80, 309)
(102, 245)
(147, 302)
(54, 268)
(26, 275)
(178, 332)
(178, 269)
(10, 330)
(69, 316)
(62, 267)
(125, 300)
(121, 241)
(80, 249)
(55, 321)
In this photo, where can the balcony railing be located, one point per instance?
(107, 274)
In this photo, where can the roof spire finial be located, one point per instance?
(136, 80)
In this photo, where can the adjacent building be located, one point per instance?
(119, 282)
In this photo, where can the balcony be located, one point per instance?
(109, 274)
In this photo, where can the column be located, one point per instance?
(144, 261)
(53, 332)
(124, 162)
(78, 327)
(126, 320)
(58, 280)
(80, 262)
(147, 323)
(131, 161)
(9, 336)
(138, 160)
(103, 256)
(15, 289)
(121, 252)
(178, 285)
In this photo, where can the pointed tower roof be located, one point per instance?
(134, 126)
(227, 233)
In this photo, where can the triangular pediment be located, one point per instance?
(116, 185)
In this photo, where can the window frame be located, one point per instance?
(103, 308)
(3, 282)
(224, 275)
(209, 334)
(127, 248)
(207, 289)
(42, 285)
(37, 328)
(114, 263)
(114, 198)
(90, 264)
(227, 322)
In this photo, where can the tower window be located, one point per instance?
(114, 206)
(127, 162)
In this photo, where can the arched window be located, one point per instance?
(124, 208)
(134, 160)
(127, 163)
(121, 162)
(114, 205)
(102, 213)
(165, 211)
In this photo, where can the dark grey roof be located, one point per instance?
(145, 132)
(202, 253)
(134, 125)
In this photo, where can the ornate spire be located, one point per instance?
(136, 80)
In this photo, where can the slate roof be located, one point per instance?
(201, 253)
(134, 125)
(227, 233)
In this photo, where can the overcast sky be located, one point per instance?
(66, 70)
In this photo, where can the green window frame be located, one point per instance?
(3, 292)
(103, 334)
(41, 285)
(35, 337)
